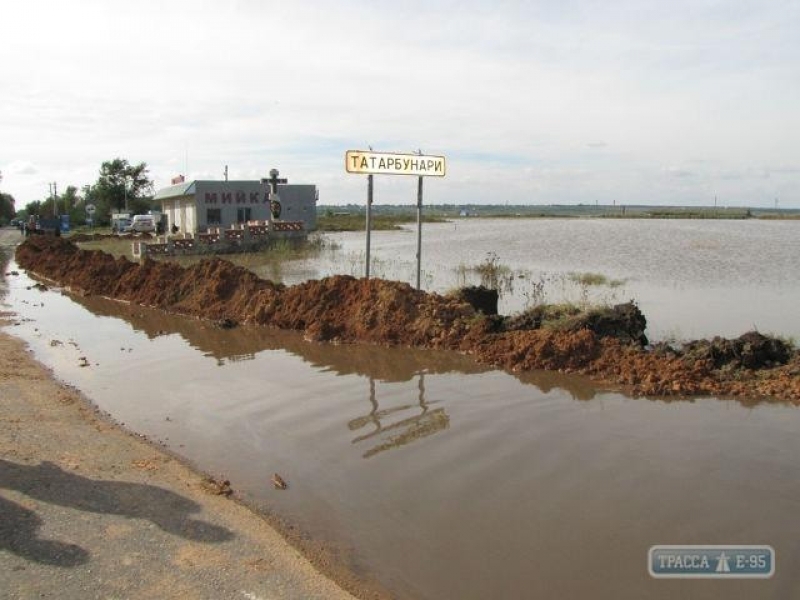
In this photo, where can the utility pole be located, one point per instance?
(54, 197)
(226, 172)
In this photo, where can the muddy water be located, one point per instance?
(438, 477)
(692, 278)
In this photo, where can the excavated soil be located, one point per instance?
(607, 344)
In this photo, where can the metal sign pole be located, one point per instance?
(419, 229)
(369, 211)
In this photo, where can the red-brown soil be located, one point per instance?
(608, 347)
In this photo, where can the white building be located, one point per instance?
(195, 206)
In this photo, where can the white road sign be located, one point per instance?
(386, 163)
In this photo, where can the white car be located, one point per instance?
(143, 224)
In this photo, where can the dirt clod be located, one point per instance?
(480, 298)
(217, 488)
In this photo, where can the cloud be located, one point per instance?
(679, 173)
(20, 167)
(782, 170)
(603, 90)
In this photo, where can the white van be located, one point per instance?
(143, 224)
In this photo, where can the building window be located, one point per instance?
(214, 216)
(243, 215)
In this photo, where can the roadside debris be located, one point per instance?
(217, 488)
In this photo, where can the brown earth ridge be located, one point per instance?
(605, 344)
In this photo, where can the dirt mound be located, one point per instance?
(750, 351)
(623, 321)
(607, 344)
(335, 308)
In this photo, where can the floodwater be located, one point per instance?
(691, 278)
(435, 476)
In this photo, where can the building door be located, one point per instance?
(243, 215)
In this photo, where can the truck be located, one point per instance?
(43, 226)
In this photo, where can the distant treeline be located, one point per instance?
(404, 212)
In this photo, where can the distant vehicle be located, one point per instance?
(121, 222)
(43, 226)
(143, 224)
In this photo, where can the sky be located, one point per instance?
(540, 102)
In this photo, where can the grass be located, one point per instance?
(560, 316)
(598, 279)
(700, 213)
(264, 259)
(114, 246)
(357, 221)
(492, 273)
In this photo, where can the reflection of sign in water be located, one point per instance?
(425, 423)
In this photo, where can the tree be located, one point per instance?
(74, 204)
(120, 184)
(34, 208)
(7, 210)
(68, 199)
(102, 215)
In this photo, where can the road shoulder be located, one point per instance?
(90, 510)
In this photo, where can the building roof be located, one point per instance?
(189, 188)
(181, 189)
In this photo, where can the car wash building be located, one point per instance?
(195, 206)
